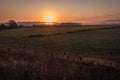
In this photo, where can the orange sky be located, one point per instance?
(85, 11)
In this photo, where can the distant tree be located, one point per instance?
(21, 25)
(2, 26)
(12, 23)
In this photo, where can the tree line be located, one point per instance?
(8, 25)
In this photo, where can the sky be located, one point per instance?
(84, 11)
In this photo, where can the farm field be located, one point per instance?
(68, 51)
(23, 32)
(65, 39)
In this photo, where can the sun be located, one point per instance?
(49, 19)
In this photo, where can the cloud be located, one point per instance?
(111, 21)
(106, 19)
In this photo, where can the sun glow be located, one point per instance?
(49, 17)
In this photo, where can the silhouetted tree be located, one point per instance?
(2, 26)
(12, 23)
(20, 25)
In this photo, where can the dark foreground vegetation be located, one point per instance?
(31, 66)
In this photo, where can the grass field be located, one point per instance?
(94, 50)
(20, 32)
(100, 41)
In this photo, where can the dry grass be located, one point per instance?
(30, 66)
